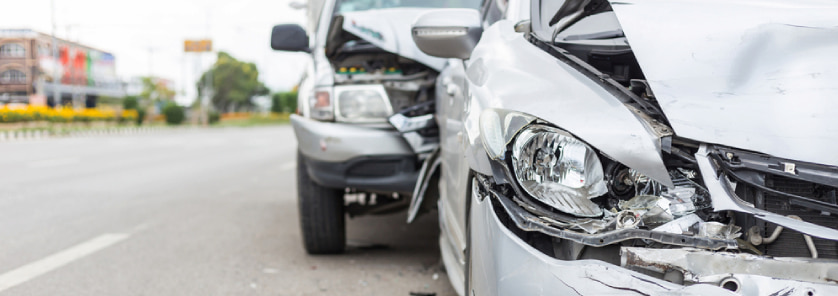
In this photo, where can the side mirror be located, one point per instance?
(448, 33)
(289, 38)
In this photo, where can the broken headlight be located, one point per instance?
(362, 103)
(558, 170)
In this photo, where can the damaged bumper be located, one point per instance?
(507, 262)
(362, 157)
(503, 264)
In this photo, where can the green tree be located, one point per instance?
(156, 89)
(130, 103)
(233, 84)
(284, 102)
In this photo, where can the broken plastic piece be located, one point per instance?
(719, 230)
(681, 225)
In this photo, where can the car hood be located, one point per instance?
(389, 29)
(756, 75)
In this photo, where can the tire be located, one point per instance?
(322, 216)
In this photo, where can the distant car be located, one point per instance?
(365, 73)
(638, 147)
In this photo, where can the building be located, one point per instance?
(30, 73)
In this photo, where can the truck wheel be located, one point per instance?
(322, 218)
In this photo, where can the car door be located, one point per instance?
(452, 104)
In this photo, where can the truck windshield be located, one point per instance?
(359, 5)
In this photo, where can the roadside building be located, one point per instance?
(30, 72)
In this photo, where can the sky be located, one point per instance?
(146, 37)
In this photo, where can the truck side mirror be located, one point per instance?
(448, 33)
(289, 37)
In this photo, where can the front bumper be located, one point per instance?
(503, 264)
(340, 155)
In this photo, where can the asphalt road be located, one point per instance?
(187, 212)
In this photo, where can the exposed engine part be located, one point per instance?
(756, 239)
(782, 188)
(595, 232)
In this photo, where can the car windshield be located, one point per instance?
(360, 5)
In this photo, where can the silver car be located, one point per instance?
(638, 147)
(364, 70)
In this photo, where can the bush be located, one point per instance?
(140, 116)
(284, 102)
(214, 117)
(174, 114)
(130, 103)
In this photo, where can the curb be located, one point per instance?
(13, 136)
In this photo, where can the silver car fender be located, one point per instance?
(508, 72)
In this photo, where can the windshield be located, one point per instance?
(360, 5)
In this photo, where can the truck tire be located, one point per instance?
(322, 217)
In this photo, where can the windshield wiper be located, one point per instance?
(597, 36)
(573, 11)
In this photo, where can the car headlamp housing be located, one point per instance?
(362, 104)
(558, 170)
(320, 104)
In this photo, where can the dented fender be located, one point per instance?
(507, 72)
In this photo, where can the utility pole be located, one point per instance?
(56, 81)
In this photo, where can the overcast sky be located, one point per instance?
(147, 36)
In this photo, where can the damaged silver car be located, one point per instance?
(364, 70)
(638, 147)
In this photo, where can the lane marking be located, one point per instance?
(54, 162)
(288, 166)
(57, 260)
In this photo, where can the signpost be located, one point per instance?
(200, 46)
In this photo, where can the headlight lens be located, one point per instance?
(362, 103)
(559, 170)
(320, 104)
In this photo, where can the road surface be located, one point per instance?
(187, 212)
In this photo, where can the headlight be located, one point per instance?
(362, 103)
(558, 170)
(320, 104)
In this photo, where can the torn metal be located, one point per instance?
(700, 266)
(595, 232)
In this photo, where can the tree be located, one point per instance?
(156, 89)
(233, 84)
(130, 103)
(284, 102)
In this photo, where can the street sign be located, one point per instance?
(203, 45)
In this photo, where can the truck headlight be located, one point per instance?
(558, 170)
(362, 104)
(320, 104)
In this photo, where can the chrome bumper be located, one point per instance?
(340, 142)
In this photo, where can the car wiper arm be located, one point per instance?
(597, 36)
(573, 11)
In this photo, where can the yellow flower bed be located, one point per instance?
(41, 113)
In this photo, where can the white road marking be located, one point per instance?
(54, 162)
(288, 166)
(57, 260)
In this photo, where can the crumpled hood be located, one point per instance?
(756, 75)
(389, 29)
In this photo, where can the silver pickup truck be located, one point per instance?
(365, 125)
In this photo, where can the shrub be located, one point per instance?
(174, 114)
(214, 117)
(130, 103)
(140, 116)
